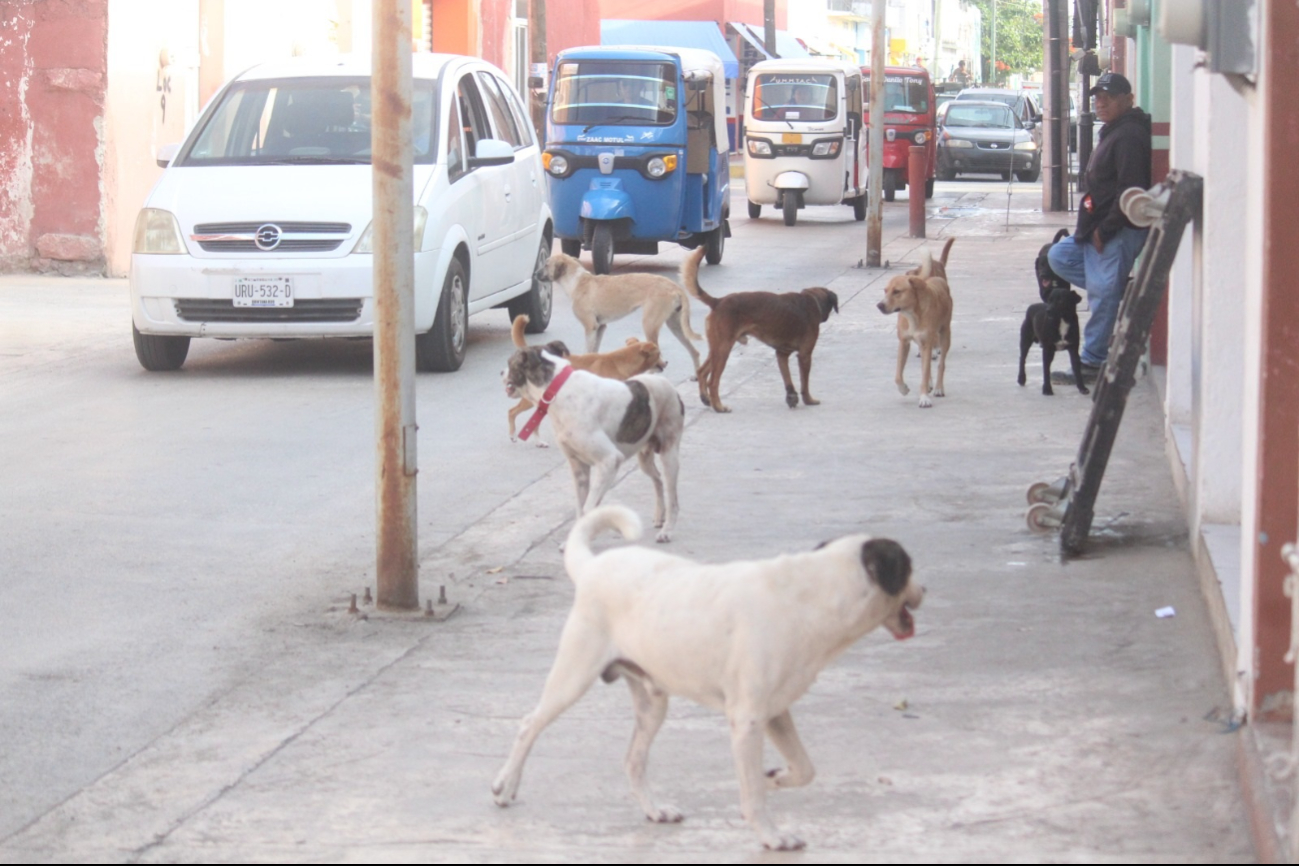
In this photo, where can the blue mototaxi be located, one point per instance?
(636, 151)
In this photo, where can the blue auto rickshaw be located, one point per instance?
(636, 151)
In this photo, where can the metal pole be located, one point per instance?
(875, 143)
(394, 297)
(540, 59)
(917, 163)
(769, 26)
(1055, 160)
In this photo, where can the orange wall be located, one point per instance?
(455, 27)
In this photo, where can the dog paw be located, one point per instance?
(663, 537)
(1083, 389)
(1047, 390)
(723, 409)
(938, 392)
(925, 402)
(791, 400)
(903, 389)
(541, 443)
(665, 815)
(783, 842)
(810, 401)
(1023, 379)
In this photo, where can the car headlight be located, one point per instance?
(365, 245)
(826, 148)
(1026, 145)
(556, 164)
(659, 166)
(758, 147)
(157, 233)
(920, 137)
(957, 142)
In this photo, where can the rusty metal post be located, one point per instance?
(917, 168)
(875, 142)
(394, 299)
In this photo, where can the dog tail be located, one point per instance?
(947, 246)
(516, 330)
(690, 279)
(577, 550)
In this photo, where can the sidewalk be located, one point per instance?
(1042, 713)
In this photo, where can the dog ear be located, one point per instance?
(887, 563)
(557, 348)
(1060, 235)
(834, 302)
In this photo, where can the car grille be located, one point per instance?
(303, 310)
(994, 145)
(238, 237)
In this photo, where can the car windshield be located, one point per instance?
(904, 93)
(302, 121)
(615, 93)
(982, 116)
(795, 96)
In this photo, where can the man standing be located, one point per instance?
(1105, 245)
(960, 75)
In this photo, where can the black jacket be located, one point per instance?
(1121, 160)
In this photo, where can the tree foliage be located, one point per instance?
(1020, 29)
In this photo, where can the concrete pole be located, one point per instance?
(875, 143)
(1055, 136)
(769, 26)
(537, 50)
(394, 297)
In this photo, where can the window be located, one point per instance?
(502, 119)
(593, 92)
(795, 96)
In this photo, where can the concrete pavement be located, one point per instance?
(1042, 713)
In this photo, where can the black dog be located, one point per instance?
(1047, 279)
(1054, 324)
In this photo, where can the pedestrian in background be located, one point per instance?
(1105, 245)
(959, 75)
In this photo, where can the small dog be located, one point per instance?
(924, 305)
(789, 322)
(601, 422)
(599, 300)
(1048, 279)
(637, 357)
(1054, 324)
(747, 638)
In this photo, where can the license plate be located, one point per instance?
(264, 291)
(791, 138)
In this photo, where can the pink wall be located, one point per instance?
(571, 24)
(53, 74)
(721, 11)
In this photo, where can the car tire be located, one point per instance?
(929, 188)
(570, 247)
(602, 248)
(442, 349)
(1030, 175)
(859, 207)
(715, 245)
(890, 186)
(755, 211)
(789, 207)
(159, 354)
(539, 300)
(1005, 175)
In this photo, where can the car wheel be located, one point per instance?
(716, 243)
(755, 211)
(859, 207)
(442, 349)
(571, 247)
(602, 248)
(929, 188)
(1030, 175)
(890, 186)
(1005, 175)
(789, 206)
(536, 304)
(158, 354)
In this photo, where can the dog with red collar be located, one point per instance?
(600, 422)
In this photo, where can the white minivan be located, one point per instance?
(260, 226)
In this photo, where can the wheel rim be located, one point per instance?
(545, 291)
(459, 317)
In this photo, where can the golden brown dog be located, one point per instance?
(638, 356)
(599, 300)
(923, 303)
(788, 322)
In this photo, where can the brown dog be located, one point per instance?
(924, 306)
(637, 357)
(788, 322)
(599, 300)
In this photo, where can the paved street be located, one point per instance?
(182, 681)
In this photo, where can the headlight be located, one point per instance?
(365, 245)
(556, 164)
(659, 166)
(921, 137)
(956, 142)
(758, 147)
(890, 134)
(1026, 145)
(826, 148)
(157, 233)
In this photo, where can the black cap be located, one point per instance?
(1112, 83)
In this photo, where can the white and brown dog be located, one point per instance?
(746, 638)
(601, 422)
(599, 300)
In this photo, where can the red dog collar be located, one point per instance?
(546, 399)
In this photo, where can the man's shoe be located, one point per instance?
(1065, 377)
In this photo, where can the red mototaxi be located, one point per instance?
(909, 120)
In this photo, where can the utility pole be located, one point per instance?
(1055, 159)
(769, 26)
(993, 67)
(392, 146)
(875, 143)
(537, 51)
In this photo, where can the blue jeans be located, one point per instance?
(1104, 275)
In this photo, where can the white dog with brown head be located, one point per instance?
(746, 638)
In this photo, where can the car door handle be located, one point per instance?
(508, 192)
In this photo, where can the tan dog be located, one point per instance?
(746, 638)
(637, 357)
(788, 322)
(924, 306)
(599, 300)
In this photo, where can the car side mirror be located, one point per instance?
(491, 151)
(166, 153)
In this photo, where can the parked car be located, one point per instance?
(1021, 102)
(261, 224)
(986, 137)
